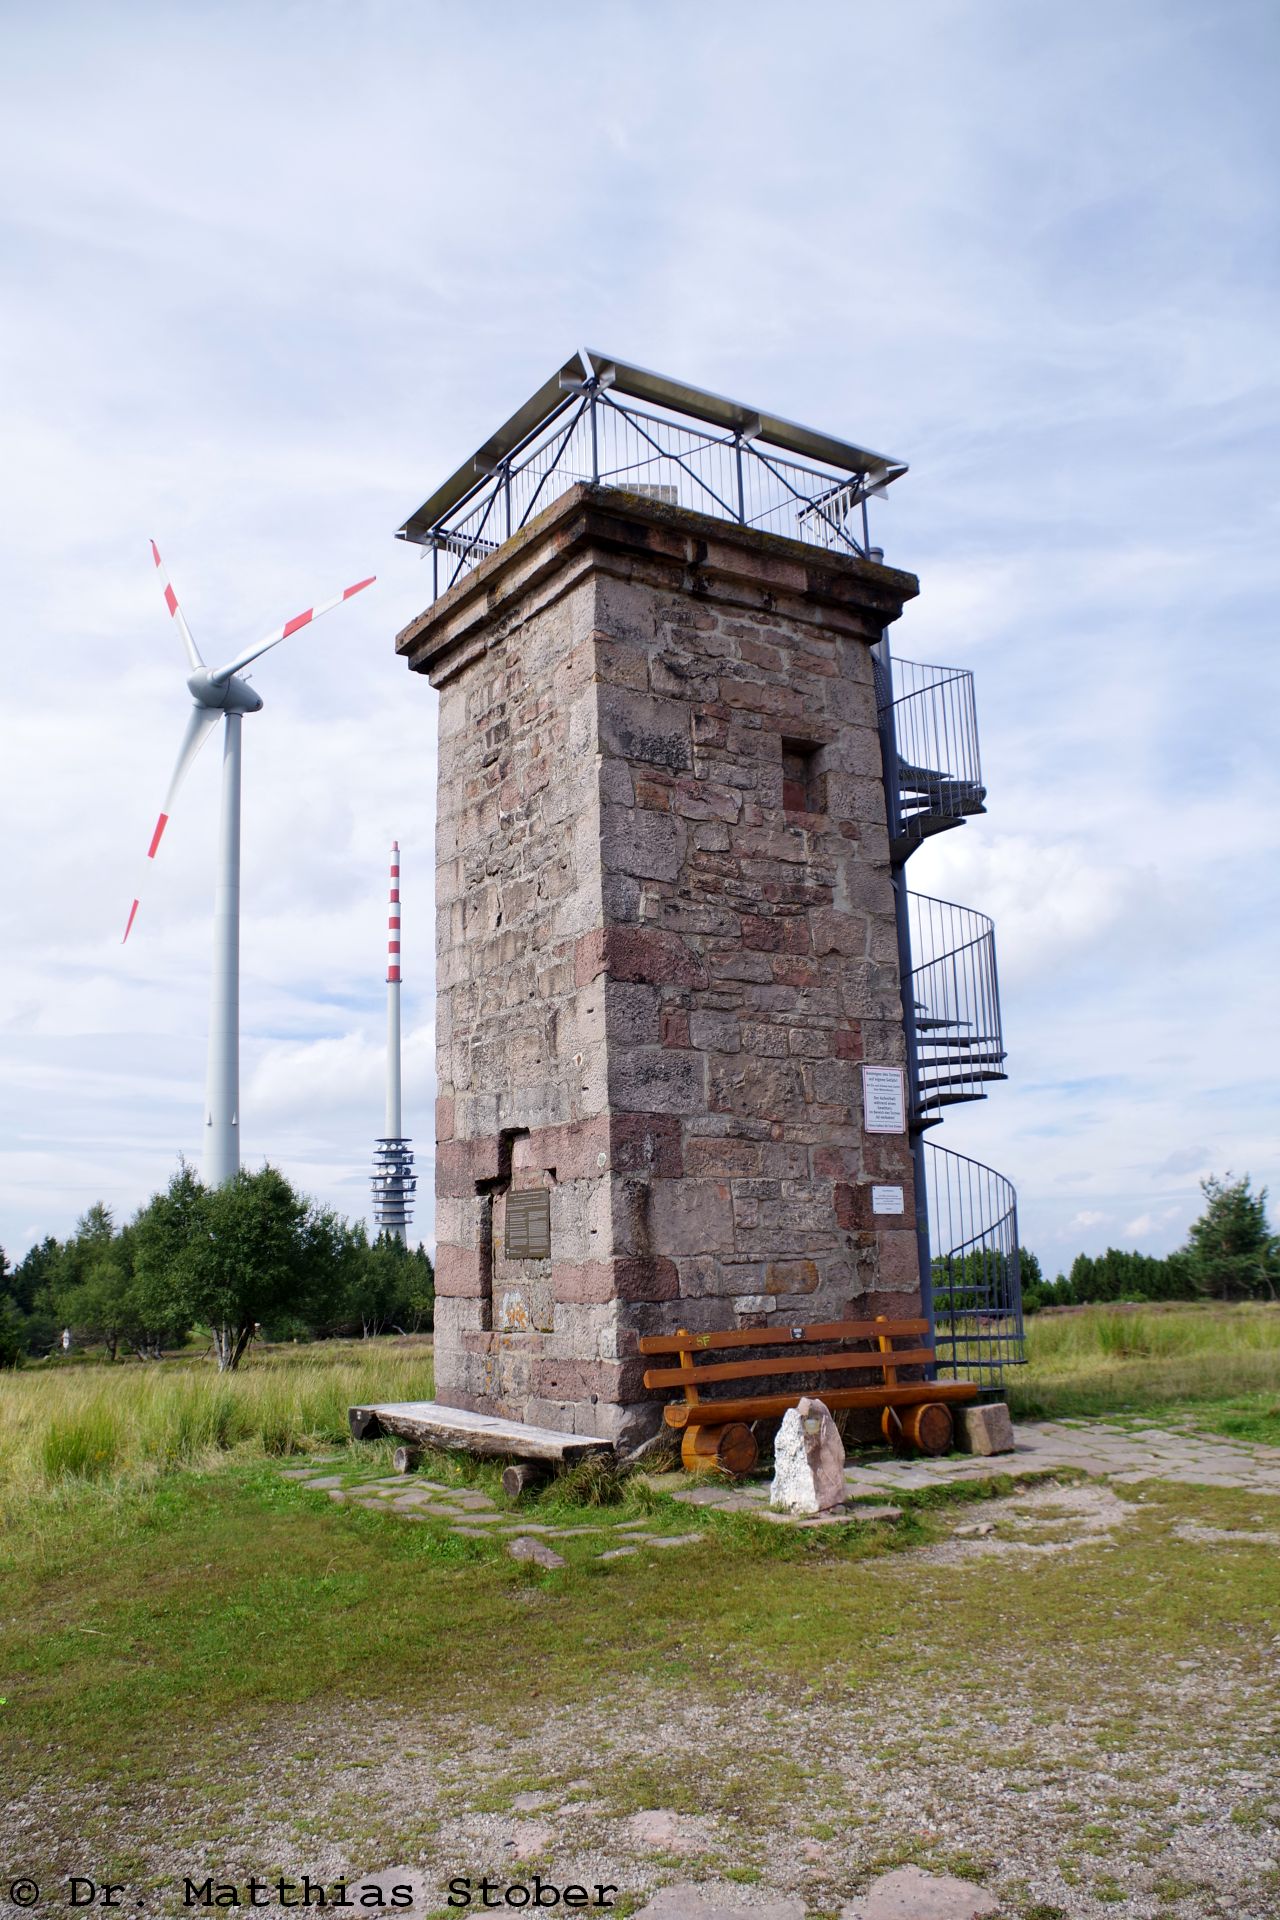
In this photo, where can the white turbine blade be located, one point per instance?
(171, 601)
(222, 674)
(201, 724)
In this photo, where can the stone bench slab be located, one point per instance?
(434, 1425)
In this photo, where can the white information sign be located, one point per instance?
(884, 1100)
(886, 1199)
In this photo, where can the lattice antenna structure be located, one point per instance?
(393, 1179)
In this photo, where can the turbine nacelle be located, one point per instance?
(229, 695)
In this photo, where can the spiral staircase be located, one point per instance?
(966, 1214)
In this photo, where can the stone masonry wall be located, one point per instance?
(665, 943)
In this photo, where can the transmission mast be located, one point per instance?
(394, 1181)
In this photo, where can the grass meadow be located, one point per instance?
(64, 1426)
(1217, 1366)
(201, 1661)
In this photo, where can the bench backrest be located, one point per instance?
(878, 1354)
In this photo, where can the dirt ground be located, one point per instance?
(1065, 1775)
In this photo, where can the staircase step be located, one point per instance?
(961, 795)
(946, 1094)
(913, 779)
(961, 1052)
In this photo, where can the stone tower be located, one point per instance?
(666, 948)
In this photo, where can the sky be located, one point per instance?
(271, 272)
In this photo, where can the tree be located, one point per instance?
(160, 1234)
(334, 1255)
(420, 1293)
(1231, 1253)
(13, 1332)
(30, 1287)
(89, 1281)
(96, 1307)
(246, 1259)
(394, 1287)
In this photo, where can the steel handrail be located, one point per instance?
(973, 1217)
(605, 442)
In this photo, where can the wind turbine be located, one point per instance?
(220, 694)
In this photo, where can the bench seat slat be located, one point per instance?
(781, 1336)
(770, 1405)
(788, 1363)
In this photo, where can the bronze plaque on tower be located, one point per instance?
(528, 1229)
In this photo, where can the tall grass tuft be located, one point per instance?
(81, 1446)
(123, 1424)
(1111, 1359)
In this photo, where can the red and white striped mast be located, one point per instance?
(393, 1177)
(393, 999)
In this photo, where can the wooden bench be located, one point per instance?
(717, 1433)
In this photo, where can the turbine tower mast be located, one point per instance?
(219, 693)
(394, 1182)
(222, 1083)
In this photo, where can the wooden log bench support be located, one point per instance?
(915, 1414)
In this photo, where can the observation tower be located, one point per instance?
(693, 1029)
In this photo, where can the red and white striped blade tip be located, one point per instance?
(170, 597)
(303, 619)
(156, 837)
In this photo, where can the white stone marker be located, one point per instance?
(808, 1461)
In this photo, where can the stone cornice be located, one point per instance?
(629, 535)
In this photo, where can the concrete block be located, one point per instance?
(986, 1429)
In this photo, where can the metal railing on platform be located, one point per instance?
(597, 438)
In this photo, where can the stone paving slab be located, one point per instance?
(1109, 1452)
(908, 1893)
(534, 1550)
(690, 1902)
(1127, 1456)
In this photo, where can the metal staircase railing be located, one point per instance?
(968, 1229)
(935, 733)
(977, 1291)
(955, 1002)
